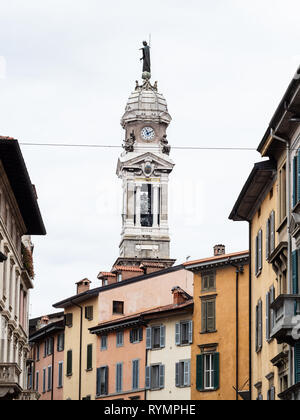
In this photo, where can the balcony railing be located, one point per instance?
(29, 396)
(291, 394)
(9, 380)
(286, 327)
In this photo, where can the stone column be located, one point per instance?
(12, 298)
(17, 296)
(138, 205)
(164, 204)
(124, 201)
(155, 204)
(130, 204)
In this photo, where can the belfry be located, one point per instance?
(144, 167)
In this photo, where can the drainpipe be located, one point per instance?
(250, 309)
(288, 211)
(80, 349)
(52, 379)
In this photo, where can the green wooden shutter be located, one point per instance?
(177, 374)
(211, 315)
(267, 239)
(297, 362)
(69, 363)
(216, 363)
(295, 272)
(294, 181)
(200, 372)
(203, 317)
(89, 364)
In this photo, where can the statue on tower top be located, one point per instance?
(146, 61)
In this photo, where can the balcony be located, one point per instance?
(9, 381)
(286, 323)
(291, 394)
(29, 396)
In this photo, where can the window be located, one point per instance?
(60, 374)
(296, 180)
(155, 337)
(282, 193)
(45, 348)
(208, 309)
(271, 396)
(270, 316)
(270, 235)
(69, 320)
(89, 357)
(258, 335)
(136, 335)
(49, 378)
(146, 205)
(37, 378)
(119, 377)
(119, 277)
(102, 381)
(207, 377)
(61, 342)
(135, 374)
(120, 339)
(118, 307)
(258, 253)
(87, 398)
(44, 380)
(103, 342)
(183, 333)
(37, 352)
(69, 363)
(183, 374)
(295, 266)
(297, 362)
(89, 313)
(208, 281)
(50, 346)
(155, 377)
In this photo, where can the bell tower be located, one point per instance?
(144, 167)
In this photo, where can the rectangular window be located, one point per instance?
(207, 373)
(270, 235)
(102, 381)
(118, 307)
(103, 342)
(295, 181)
(49, 378)
(282, 193)
(69, 363)
(61, 342)
(155, 337)
(146, 205)
(183, 333)
(136, 335)
(270, 315)
(120, 339)
(69, 320)
(44, 380)
(155, 377)
(37, 352)
(135, 374)
(50, 346)
(37, 379)
(89, 313)
(60, 374)
(119, 377)
(45, 348)
(89, 361)
(208, 281)
(258, 253)
(208, 308)
(258, 335)
(183, 374)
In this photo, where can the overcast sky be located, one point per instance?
(66, 71)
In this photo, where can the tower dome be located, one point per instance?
(146, 104)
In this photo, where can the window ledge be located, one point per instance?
(284, 221)
(69, 375)
(208, 332)
(208, 390)
(89, 370)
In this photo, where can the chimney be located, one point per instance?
(219, 250)
(83, 286)
(179, 296)
(44, 321)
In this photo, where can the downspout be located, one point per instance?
(52, 379)
(288, 211)
(80, 349)
(250, 309)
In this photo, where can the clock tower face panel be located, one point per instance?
(147, 132)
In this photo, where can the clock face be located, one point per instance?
(148, 133)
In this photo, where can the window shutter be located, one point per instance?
(273, 393)
(177, 374)
(295, 272)
(69, 362)
(161, 376)
(148, 338)
(148, 377)
(268, 316)
(272, 227)
(216, 364)
(186, 373)
(141, 334)
(295, 181)
(131, 336)
(297, 362)
(256, 328)
(268, 234)
(190, 332)
(260, 324)
(106, 380)
(89, 364)
(177, 334)
(200, 372)
(298, 177)
(260, 250)
(256, 255)
(211, 315)
(98, 379)
(272, 313)
(203, 317)
(162, 336)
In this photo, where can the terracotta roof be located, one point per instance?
(83, 280)
(104, 274)
(218, 257)
(127, 268)
(149, 264)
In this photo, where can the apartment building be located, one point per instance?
(20, 218)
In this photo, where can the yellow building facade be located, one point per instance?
(220, 349)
